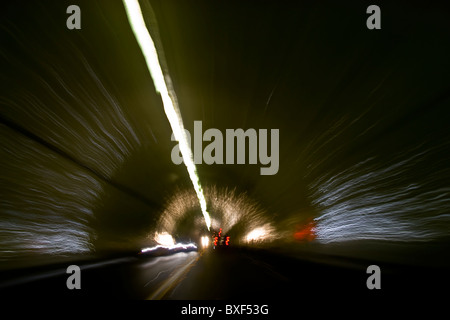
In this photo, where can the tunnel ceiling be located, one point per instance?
(86, 150)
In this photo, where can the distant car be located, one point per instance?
(220, 241)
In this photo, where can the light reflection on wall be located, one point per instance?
(48, 198)
(228, 208)
(397, 202)
(47, 202)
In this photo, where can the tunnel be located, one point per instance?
(262, 151)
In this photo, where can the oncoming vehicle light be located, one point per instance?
(205, 241)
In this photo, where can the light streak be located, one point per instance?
(171, 247)
(166, 241)
(61, 138)
(148, 48)
(41, 216)
(369, 201)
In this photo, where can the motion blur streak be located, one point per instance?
(50, 199)
(171, 247)
(166, 241)
(44, 216)
(171, 109)
(369, 201)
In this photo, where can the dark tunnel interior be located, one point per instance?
(359, 170)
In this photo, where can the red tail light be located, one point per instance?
(227, 241)
(215, 240)
(306, 232)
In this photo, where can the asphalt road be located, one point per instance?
(246, 275)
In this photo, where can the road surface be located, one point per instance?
(226, 274)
